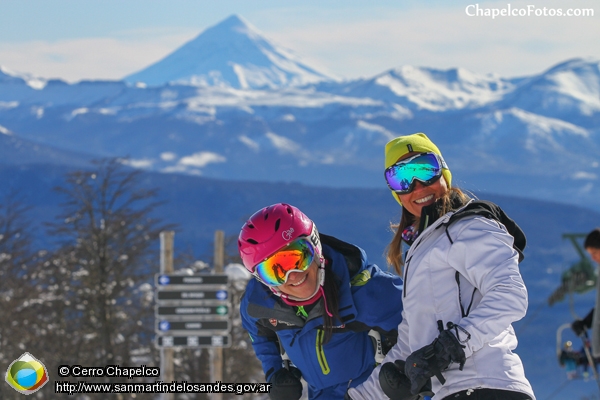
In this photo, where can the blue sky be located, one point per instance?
(108, 39)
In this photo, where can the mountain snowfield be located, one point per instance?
(428, 89)
(230, 97)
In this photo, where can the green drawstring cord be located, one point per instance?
(301, 313)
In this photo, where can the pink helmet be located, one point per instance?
(271, 229)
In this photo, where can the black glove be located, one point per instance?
(578, 327)
(432, 359)
(396, 385)
(286, 385)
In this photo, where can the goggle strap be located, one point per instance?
(408, 160)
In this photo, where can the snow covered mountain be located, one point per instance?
(427, 89)
(535, 136)
(569, 91)
(234, 54)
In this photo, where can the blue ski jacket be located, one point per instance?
(369, 298)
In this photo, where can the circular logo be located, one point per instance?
(287, 235)
(26, 374)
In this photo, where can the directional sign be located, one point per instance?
(192, 310)
(165, 279)
(194, 341)
(193, 306)
(191, 295)
(169, 326)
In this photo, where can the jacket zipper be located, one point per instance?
(405, 275)
(321, 354)
(414, 246)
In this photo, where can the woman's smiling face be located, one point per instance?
(422, 195)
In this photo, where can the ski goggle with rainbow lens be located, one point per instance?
(424, 167)
(297, 256)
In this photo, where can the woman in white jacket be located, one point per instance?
(462, 288)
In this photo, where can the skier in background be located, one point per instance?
(316, 298)
(592, 246)
(570, 360)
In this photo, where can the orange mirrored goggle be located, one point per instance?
(297, 256)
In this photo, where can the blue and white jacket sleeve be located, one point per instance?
(264, 341)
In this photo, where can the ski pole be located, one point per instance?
(586, 349)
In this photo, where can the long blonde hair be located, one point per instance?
(446, 203)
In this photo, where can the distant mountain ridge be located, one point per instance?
(428, 89)
(536, 136)
(17, 151)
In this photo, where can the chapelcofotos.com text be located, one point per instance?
(475, 10)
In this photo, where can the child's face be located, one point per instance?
(302, 284)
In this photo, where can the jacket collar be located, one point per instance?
(431, 213)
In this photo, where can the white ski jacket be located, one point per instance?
(482, 252)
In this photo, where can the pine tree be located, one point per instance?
(19, 332)
(100, 278)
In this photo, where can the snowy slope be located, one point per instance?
(231, 53)
(569, 90)
(515, 140)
